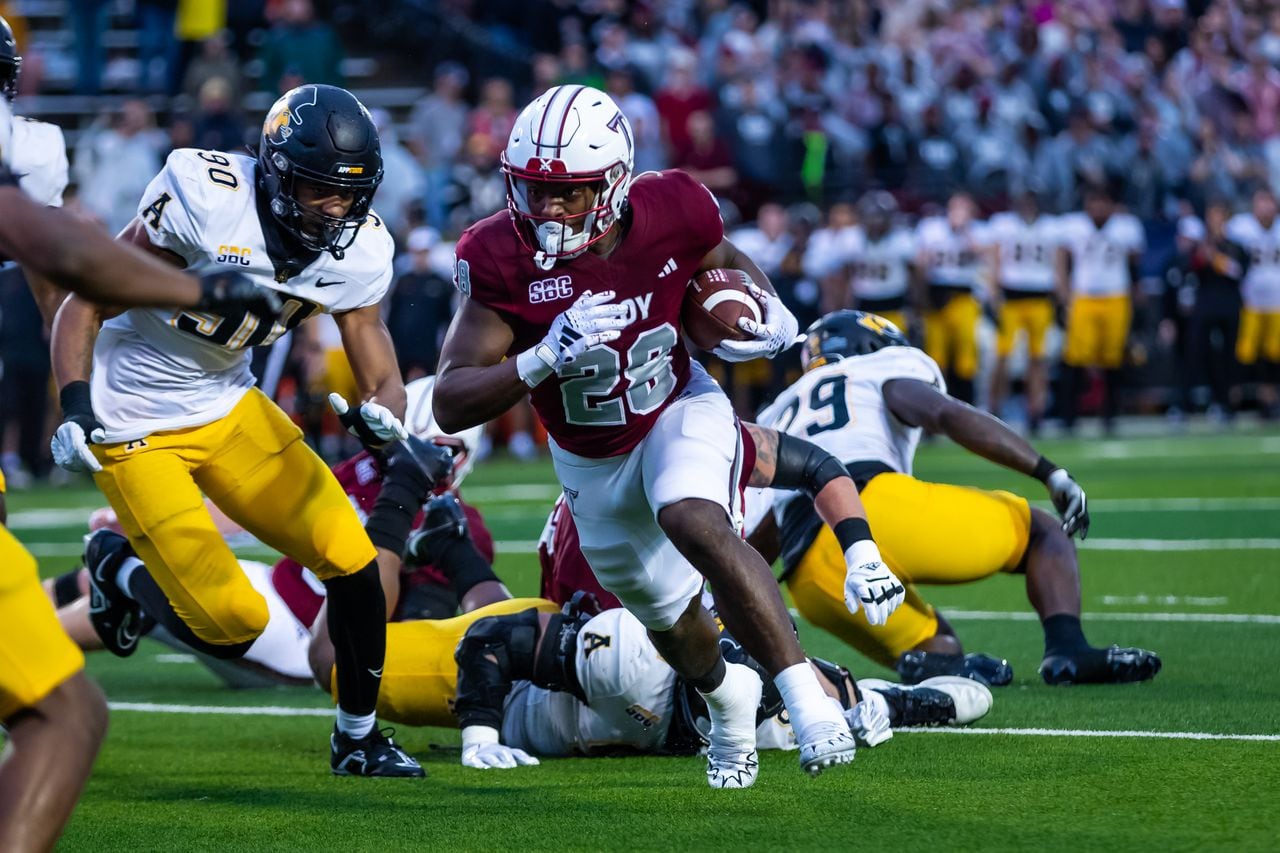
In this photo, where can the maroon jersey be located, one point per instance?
(604, 403)
(361, 479)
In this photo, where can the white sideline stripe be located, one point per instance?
(1238, 544)
(279, 711)
(1028, 616)
(516, 546)
(228, 710)
(511, 494)
(38, 519)
(1177, 504)
(1089, 733)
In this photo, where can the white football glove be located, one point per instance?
(71, 449)
(373, 423)
(869, 582)
(1070, 502)
(586, 323)
(869, 724)
(481, 750)
(779, 330)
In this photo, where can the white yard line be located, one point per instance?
(281, 711)
(1029, 616)
(1232, 544)
(1258, 504)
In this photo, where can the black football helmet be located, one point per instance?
(10, 61)
(319, 135)
(845, 334)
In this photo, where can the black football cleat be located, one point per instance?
(915, 666)
(375, 754)
(1112, 665)
(993, 672)
(117, 619)
(942, 700)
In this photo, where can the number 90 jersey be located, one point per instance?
(605, 402)
(165, 369)
(840, 407)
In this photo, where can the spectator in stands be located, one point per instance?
(157, 44)
(935, 169)
(651, 155)
(217, 124)
(707, 157)
(116, 159)
(403, 183)
(214, 60)
(419, 308)
(757, 125)
(680, 97)
(496, 113)
(438, 119)
(89, 20)
(299, 46)
(475, 186)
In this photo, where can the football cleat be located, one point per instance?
(914, 667)
(837, 747)
(1112, 665)
(116, 618)
(731, 757)
(972, 699)
(942, 700)
(375, 754)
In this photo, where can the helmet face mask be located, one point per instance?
(318, 142)
(569, 137)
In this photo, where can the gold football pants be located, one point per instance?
(951, 335)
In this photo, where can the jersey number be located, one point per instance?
(587, 390)
(244, 330)
(221, 177)
(830, 393)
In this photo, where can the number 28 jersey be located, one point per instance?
(163, 369)
(605, 402)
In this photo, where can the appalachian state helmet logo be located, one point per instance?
(276, 127)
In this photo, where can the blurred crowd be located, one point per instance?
(790, 111)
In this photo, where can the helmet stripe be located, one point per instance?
(564, 119)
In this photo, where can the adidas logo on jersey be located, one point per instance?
(668, 268)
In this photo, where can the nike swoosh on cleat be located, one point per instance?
(376, 673)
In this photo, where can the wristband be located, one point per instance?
(851, 531)
(535, 364)
(1043, 469)
(75, 399)
(479, 736)
(862, 553)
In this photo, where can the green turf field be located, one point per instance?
(1183, 557)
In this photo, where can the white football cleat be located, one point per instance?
(972, 698)
(731, 757)
(832, 746)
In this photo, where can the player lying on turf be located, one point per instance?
(172, 413)
(866, 397)
(54, 717)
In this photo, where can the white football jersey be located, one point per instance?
(880, 269)
(163, 369)
(40, 160)
(1026, 251)
(950, 258)
(1100, 256)
(1261, 289)
(828, 249)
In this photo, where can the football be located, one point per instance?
(714, 303)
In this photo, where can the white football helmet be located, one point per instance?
(419, 420)
(569, 135)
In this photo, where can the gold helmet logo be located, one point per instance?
(277, 123)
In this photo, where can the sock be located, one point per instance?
(143, 589)
(714, 677)
(464, 565)
(1063, 635)
(358, 627)
(66, 588)
(125, 573)
(811, 714)
(355, 726)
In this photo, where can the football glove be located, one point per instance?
(70, 444)
(588, 322)
(443, 521)
(418, 465)
(481, 750)
(869, 582)
(777, 332)
(1070, 502)
(229, 294)
(869, 724)
(373, 423)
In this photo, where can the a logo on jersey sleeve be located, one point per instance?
(592, 641)
(550, 289)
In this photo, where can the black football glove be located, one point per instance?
(443, 522)
(230, 294)
(417, 465)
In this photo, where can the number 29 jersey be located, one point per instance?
(163, 369)
(605, 402)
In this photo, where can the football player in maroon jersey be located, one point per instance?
(574, 297)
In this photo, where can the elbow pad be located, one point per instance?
(495, 652)
(804, 465)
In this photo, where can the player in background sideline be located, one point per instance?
(173, 411)
(1258, 338)
(55, 718)
(1024, 246)
(866, 397)
(573, 297)
(1097, 279)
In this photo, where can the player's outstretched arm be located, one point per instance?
(920, 404)
(786, 462)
